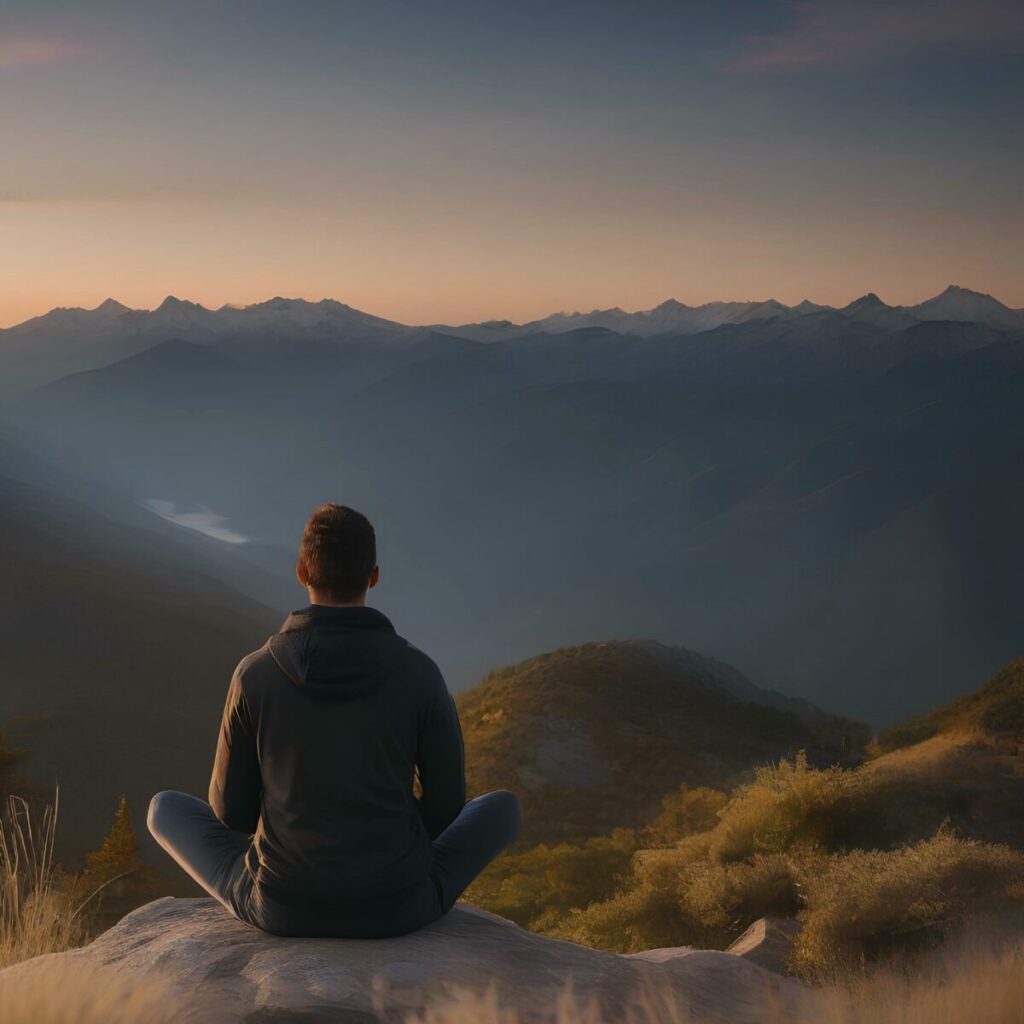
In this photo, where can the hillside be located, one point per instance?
(992, 715)
(592, 737)
(118, 651)
(879, 858)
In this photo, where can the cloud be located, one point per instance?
(27, 51)
(843, 32)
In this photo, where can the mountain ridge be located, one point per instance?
(733, 310)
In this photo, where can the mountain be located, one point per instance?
(935, 591)
(673, 317)
(957, 303)
(871, 309)
(805, 495)
(670, 316)
(66, 341)
(592, 737)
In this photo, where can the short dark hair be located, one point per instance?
(339, 549)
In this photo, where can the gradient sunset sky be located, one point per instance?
(451, 161)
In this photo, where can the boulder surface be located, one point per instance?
(219, 970)
(768, 943)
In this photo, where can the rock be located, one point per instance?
(222, 971)
(767, 943)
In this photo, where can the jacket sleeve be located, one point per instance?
(235, 785)
(441, 760)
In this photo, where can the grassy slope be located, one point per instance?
(994, 712)
(592, 737)
(964, 760)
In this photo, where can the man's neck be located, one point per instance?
(322, 599)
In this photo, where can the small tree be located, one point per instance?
(115, 880)
(118, 855)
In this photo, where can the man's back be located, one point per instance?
(313, 826)
(322, 731)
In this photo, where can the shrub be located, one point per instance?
(681, 898)
(725, 899)
(537, 887)
(685, 811)
(639, 918)
(792, 806)
(865, 905)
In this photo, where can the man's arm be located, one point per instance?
(441, 761)
(235, 785)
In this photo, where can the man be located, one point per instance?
(313, 825)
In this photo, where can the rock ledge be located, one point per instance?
(225, 972)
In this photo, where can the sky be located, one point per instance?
(458, 160)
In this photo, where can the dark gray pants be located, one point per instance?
(214, 856)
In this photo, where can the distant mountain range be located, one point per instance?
(830, 499)
(78, 339)
(954, 303)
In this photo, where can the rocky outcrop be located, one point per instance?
(218, 970)
(767, 943)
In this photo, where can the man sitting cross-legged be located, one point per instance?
(313, 826)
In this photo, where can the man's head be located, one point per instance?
(338, 556)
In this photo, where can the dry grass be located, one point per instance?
(80, 993)
(36, 916)
(42, 911)
(975, 979)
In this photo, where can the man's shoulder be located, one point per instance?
(418, 662)
(256, 666)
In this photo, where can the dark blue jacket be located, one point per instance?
(323, 730)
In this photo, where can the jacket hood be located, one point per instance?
(336, 653)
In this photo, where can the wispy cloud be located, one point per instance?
(26, 51)
(843, 32)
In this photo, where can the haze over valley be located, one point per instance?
(828, 499)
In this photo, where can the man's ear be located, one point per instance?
(302, 573)
(374, 577)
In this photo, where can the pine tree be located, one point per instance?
(118, 853)
(115, 880)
